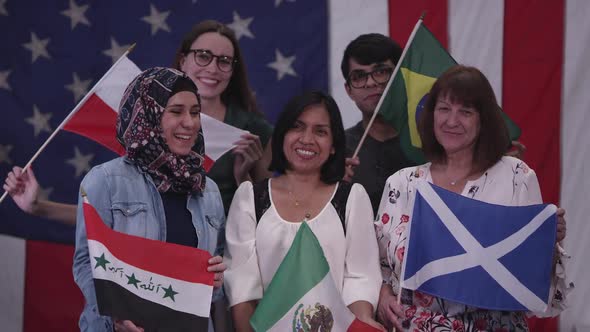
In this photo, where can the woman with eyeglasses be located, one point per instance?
(209, 54)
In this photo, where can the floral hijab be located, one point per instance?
(140, 132)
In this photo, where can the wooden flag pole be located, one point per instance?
(78, 106)
(395, 71)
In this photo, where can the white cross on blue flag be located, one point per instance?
(479, 254)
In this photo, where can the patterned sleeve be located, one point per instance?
(382, 236)
(390, 223)
(362, 279)
(242, 278)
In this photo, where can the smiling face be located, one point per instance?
(367, 97)
(308, 144)
(209, 79)
(456, 126)
(181, 122)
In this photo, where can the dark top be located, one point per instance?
(179, 223)
(262, 200)
(378, 161)
(222, 171)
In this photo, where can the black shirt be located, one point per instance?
(378, 161)
(179, 221)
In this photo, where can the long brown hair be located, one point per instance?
(238, 91)
(469, 86)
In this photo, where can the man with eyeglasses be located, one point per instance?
(367, 65)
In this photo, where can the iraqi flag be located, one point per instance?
(97, 117)
(159, 286)
(479, 254)
(308, 302)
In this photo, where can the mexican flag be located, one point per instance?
(423, 61)
(302, 295)
(159, 286)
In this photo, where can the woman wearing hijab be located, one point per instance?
(210, 55)
(158, 189)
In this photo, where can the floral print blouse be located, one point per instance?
(509, 182)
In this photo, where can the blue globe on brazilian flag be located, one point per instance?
(424, 61)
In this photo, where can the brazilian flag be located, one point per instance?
(424, 61)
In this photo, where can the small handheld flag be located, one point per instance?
(480, 254)
(152, 283)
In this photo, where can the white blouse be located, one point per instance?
(254, 252)
(509, 182)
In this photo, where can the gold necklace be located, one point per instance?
(459, 179)
(297, 204)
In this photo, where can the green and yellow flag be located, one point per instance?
(424, 61)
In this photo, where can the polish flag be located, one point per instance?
(97, 116)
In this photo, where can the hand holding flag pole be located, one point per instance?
(78, 106)
(376, 111)
(395, 71)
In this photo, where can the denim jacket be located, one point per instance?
(127, 201)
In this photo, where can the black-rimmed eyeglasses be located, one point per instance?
(204, 57)
(358, 78)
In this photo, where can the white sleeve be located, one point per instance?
(242, 277)
(362, 278)
(529, 192)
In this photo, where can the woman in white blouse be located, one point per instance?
(308, 147)
(464, 137)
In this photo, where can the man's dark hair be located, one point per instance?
(370, 48)
(333, 169)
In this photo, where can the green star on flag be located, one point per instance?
(149, 281)
(131, 280)
(101, 261)
(169, 292)
(424, 60)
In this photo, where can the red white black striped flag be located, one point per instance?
(159, 286)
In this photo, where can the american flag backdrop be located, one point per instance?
(534, 53)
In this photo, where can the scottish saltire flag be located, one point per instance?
(483, 255)
(162, 286)
(308, 302)
(424, 61)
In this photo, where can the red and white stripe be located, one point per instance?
(97, 117)
(534, 53)
(36, 283)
